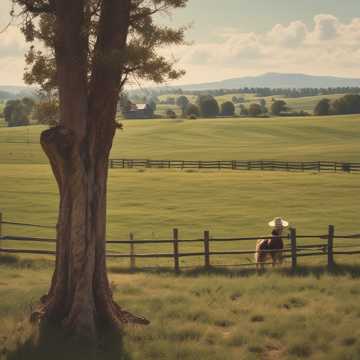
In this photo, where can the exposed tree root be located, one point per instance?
(118, 317)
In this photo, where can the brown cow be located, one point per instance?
(271, 247)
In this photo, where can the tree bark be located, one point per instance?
(80, 297)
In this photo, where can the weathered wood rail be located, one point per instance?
(327, 245)
(258, 165)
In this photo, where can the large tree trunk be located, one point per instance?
(80, 297)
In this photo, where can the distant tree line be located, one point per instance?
(348, 104)
(46, 111)
(206, 106)
(20, 112)
(262, 91)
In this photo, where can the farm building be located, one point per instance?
(139, 111)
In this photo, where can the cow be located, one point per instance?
(269, 248)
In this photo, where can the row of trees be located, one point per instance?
(207, 106)
(348, 104)
(46, 111)
(263, 91)
(21, 112)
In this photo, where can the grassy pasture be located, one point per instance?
(224, 314)
(150, 203)
(229, 204)
(303, 139)
(210, 317)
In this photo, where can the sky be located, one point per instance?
(235, 38)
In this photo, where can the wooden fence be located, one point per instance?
(325, 246)
(262, 165)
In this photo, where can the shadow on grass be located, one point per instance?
(54, 345)
(352, 270)
(301, 271)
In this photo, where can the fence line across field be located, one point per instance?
(293, 251)
(265, 165)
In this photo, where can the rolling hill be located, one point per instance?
(277, 80)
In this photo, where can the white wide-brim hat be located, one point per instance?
(278, 222)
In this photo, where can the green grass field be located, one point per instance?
(150, 203)
(226, 314)
(314, 138)
(203, 316)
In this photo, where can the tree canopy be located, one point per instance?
(182, 102)
(322, 107)
(227, 108)
(208, 106)
(255, 110)
(278, 107)
(348, 104)
(141, 59)
(192, 110)
(17, 112)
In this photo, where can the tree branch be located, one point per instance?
(146, 12)
(109, 52)
(36, 7)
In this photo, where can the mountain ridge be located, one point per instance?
(276, 80)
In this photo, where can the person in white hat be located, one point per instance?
(278, 223)
(276, 243)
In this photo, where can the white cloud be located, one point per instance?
(326, 27)
(329, 47)
(12, 42)
(12, 49)
(12, 71)
(288, 36)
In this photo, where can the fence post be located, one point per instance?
(207, 249)
(132, 252)
(111, 164)
(1, 234)
(176, 250)
(293, 248)
(331, 231)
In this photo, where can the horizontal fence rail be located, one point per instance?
(325, 246)
(259, 165)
